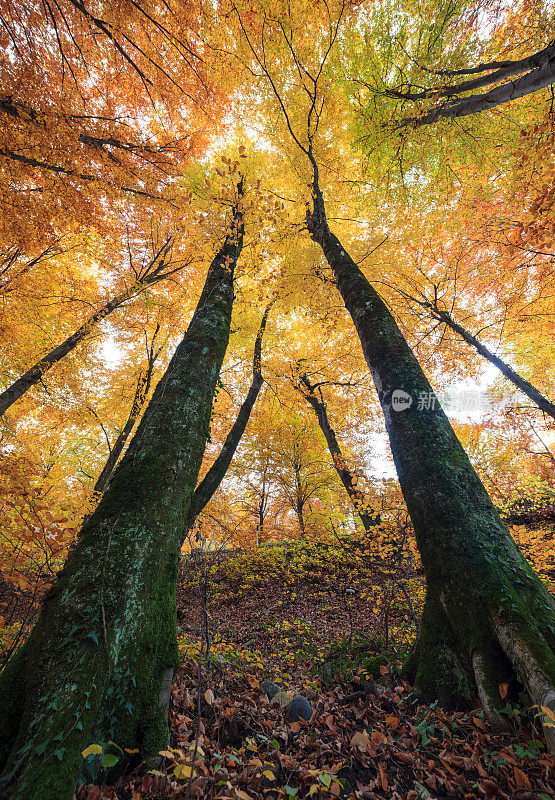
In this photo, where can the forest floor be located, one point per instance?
(315, 625)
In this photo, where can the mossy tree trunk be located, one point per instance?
(487, 615)
(97, 663)
(369, 518)
(208, 485)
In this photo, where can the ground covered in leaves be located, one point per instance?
(316, 624)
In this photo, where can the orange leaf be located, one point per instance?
(521, 778)
(503, 690)
(384, 670)
(383, 776)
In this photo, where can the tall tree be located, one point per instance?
(159, 268)
(367, 515)
(487, 614)
(78, 677)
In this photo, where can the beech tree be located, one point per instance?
(159, 268)
(77, 678)
(487, 615)
(367, 515)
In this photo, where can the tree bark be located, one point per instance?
(141, 393)
(152, 274)
(487, 615)
(208, 485)
(369, 518)
(540, 72)
(93, 668)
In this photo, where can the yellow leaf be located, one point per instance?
(95, 749)
(269, 774)
(165, 753)
(209, 696)
(182, 771)
(243, 795)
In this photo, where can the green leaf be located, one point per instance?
(59, 753)
(326, 779)
(109, 760)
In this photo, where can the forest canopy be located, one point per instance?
(271, 275)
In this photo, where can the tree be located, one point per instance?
(115, 596)
(487, 615)
(443, 316)
(158, 269)
(539, 69)
(367, 515)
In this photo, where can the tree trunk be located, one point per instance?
(95, 667)
(540, 72)
(487, 615)
(526, 388)
(216, 473)
(141, 393)
(151, 274)
(369, 518)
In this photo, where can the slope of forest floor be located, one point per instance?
(318, 622)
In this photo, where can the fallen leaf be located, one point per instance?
(383, 776)
(522, 779)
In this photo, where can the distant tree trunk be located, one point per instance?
(154, 272)
(487, 615)
(97, 663)
(517, 380)
(368, 516)
(141, 393)
(208, 485)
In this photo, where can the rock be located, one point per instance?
(298, 708)
(281, 699)
(270, 689)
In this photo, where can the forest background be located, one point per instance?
(129, 137)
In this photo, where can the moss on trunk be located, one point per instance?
(478, 581)
(93, 667)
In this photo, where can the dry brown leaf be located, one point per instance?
(383, 776)
(522, 779)
(406, 758)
